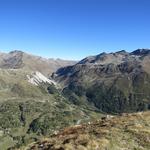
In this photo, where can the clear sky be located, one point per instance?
(73, 29)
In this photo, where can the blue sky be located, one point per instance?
(73, 29)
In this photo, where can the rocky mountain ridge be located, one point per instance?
(114, 82)
(20, 60)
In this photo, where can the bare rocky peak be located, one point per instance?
(141, 52)
(107, 64)
(115, 58)
(20, 60)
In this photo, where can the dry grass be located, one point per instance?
(126, 132)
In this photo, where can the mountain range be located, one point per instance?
(113, 83)
(40, 96)
(20, 60)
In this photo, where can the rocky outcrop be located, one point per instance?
(36, 78)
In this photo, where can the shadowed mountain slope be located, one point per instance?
(115, 82)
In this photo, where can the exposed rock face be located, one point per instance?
(115, 82)
(36, 78)
(18, 60)
(141, 52)
(13, 60)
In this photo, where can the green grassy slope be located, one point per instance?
(29, 112)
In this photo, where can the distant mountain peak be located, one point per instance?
(15, 51)
(105, 58)
(122, 52)
(114, 57)
(141, 52)
(18, 59)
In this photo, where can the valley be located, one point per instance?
(40, 97)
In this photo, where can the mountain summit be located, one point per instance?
(20, 60)
(141, 52)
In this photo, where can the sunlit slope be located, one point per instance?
(130, 131)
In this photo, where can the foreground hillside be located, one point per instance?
(129, 131)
